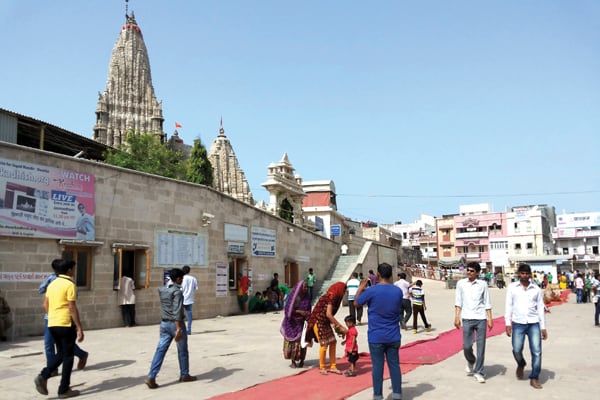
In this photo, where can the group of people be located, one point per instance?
(63, 328)
(390, 308)
(301, 327)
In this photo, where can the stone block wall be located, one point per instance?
(130, 207)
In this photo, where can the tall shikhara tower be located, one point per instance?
(128, 102)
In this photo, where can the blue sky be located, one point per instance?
(409, 107)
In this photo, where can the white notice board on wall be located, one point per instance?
(175, 248)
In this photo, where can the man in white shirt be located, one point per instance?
(406, 310)
(524, 316)
(472, 308)
(188, 287)
(352, 287)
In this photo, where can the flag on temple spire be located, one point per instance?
(177, 125)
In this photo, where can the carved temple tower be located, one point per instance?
(128, 102)
(228, 176)
(285, 191)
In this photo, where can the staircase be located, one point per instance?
(340, 272)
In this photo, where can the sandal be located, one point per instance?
(335, 371)
(323, 371)
(301, 364)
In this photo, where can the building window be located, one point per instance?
(595, 250)
(529, 245)
(565, 250)
(83, 259)
(134, 263)
(517, 246)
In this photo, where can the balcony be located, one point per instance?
(470, 256)
(466, 235)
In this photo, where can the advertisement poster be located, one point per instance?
(45, 202)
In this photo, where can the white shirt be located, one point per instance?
(188, 286)
(524, 306)
(403, 284)
(473, 298)
(352, 287)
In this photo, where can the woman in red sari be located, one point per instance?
(320, 325)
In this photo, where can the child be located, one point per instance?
(418, 303)
(351, 345)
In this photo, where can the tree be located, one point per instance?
(198, 168)
(146, 153)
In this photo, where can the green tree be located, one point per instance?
(198, 168)
(146, 153)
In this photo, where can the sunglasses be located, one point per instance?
(470, 270)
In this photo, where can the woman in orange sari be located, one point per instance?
(320, 325)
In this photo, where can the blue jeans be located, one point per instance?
(389, 351)
(188, 313)
(579, 295)
(534, 335)
(470, 327)
(49, 346)
(597, 313)
(167, 334)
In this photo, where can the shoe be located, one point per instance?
(479, 377)
(82, 362)
(40, 385)
(69, 393)
(535, 384)
(151, 383)
(469, 368)
(414, 331)
(519, 372)
(428, 329)
(187, 378)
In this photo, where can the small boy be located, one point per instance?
(351, 345)
(418, 303)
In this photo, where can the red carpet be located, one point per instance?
(310, 384)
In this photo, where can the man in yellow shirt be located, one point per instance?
(65, 327)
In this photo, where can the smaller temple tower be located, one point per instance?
(228, 176)
(285, 191)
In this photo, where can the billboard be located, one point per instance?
(45, 202)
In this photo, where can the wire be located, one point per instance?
(442, 196)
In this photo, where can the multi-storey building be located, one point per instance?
(577, 238)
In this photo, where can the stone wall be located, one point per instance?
(129, 208)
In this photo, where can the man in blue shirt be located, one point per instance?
(384, 301)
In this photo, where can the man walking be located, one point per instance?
(524, 316)
(189, 286)
(472, 307)
(64, 326)
(352, 288)
(171, 327)
(383, 301)
(406, 309)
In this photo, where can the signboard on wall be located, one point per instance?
(263, 242)
(175, 248)
(44, 202)
(336, 230)
(236, 233)
(221, 281)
